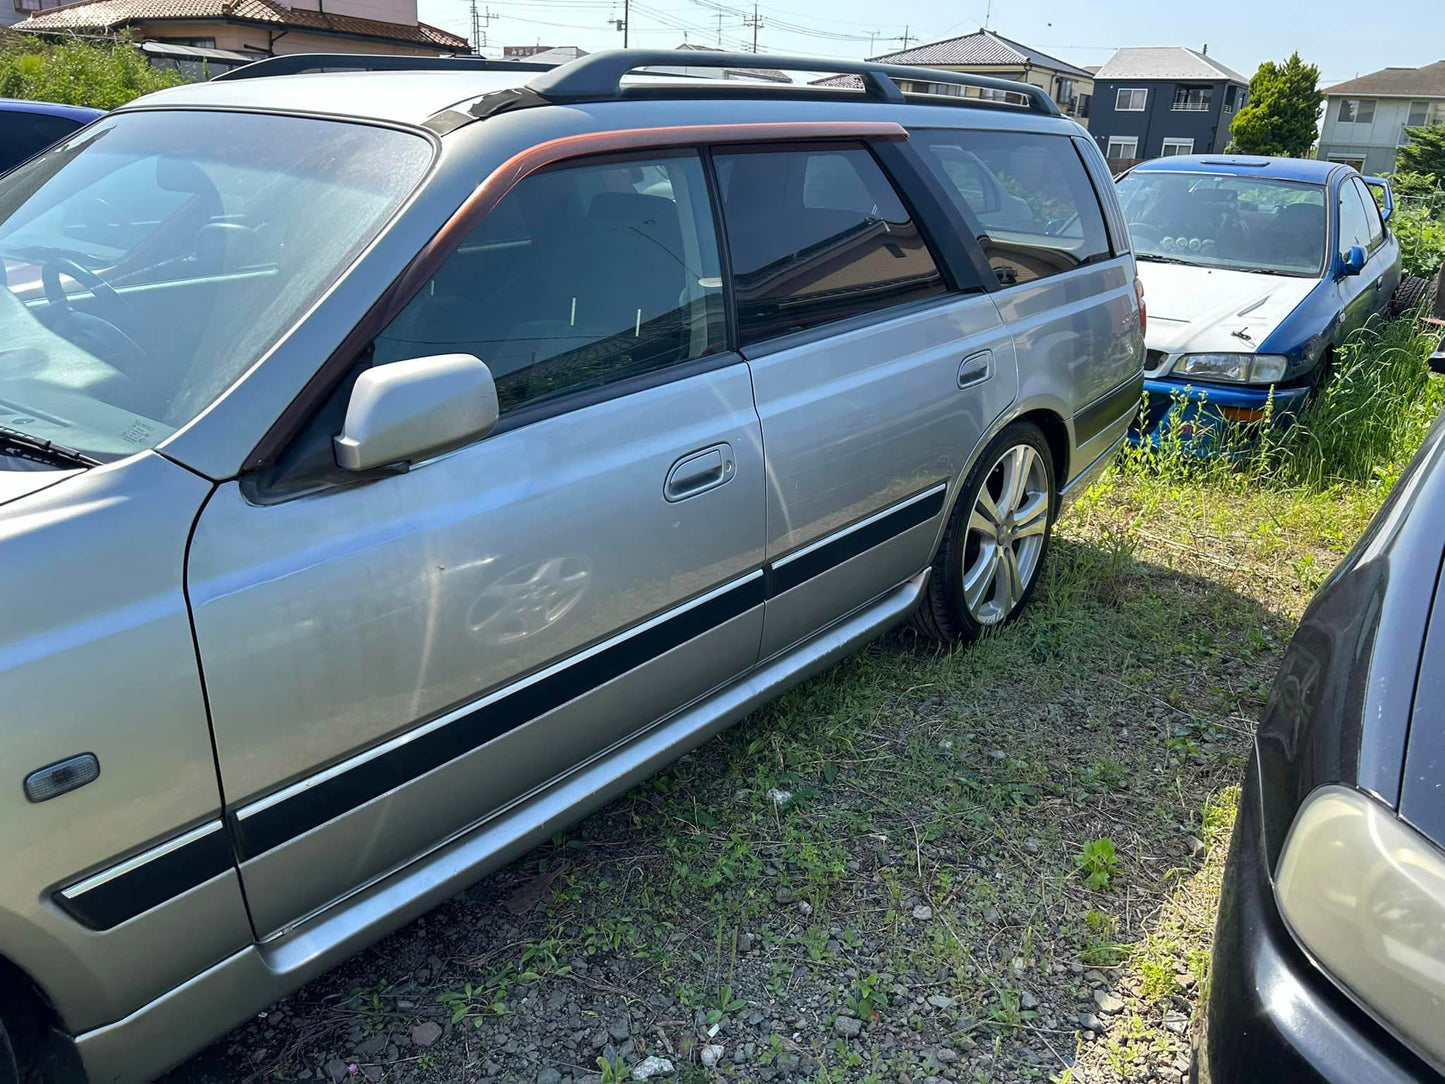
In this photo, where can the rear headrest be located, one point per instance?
(634, 208)
(1300, 213)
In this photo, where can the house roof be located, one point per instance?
(114, 14)
(1165, 62)
(770, 74)
(983, 49)
(1426, 82)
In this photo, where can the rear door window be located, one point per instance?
(1036, 210)
(582, 276)
(25, 134)
(817, 235)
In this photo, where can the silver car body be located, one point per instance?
(356, 702)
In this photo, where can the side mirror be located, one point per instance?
(411, 410)
(1353, 261)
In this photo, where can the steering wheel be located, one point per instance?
(1143, 231)
(87, 330)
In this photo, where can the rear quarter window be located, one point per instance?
(1028, 195)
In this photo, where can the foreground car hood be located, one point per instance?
(21, 483)
(1200, 309)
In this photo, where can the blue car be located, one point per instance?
(1254, 271)
(27, 128)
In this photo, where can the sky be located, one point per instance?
(1344, 37)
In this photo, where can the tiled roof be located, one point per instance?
(980, 50)
(114, 14)
(770, 74)
(1165, 62)
(1426, 82)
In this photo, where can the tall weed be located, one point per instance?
(1361, 427)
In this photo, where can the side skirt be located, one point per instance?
(180, 1022)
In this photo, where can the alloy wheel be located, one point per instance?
(1006, 530)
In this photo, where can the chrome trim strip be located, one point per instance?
(829, 539)
(135, 862)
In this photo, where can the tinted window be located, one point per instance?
(1354, 226)
(26, 134)
(1373, 220)
(1030, 195)
(816, 236)
(580, 277)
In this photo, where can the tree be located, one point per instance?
(102, 75)
(1283, 111)
(1424, 154)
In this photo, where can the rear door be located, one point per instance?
(1066, 288)
(875, 376)
(1383, 268)
(388, 662)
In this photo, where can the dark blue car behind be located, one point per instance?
(27, 128)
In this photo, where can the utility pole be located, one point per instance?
(754, 22)
(872, 39)
(480, 22)
(907, 37)
(621, 24)
(719, 29)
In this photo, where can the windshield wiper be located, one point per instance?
(25, 446)
(1163, 259)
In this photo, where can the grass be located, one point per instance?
(976, 839)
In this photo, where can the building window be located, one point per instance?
(951, 90)
(1122, 147)
(1356, 160)
(1193, 99)
(1130, 101)
(1172, 147)
(1357, 110)
(1419, 113)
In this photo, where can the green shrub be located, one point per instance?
(1422, 236)
(76, 72)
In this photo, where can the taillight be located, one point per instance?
(1143, 309)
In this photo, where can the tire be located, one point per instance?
(1412, 293)
(960, 601)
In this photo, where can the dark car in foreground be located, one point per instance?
(1329, 955)
(27, 128)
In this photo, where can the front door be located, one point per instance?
(389, 662)
(873, 382)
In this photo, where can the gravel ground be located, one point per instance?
(997, 864)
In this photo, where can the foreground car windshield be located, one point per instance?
(1248, 223)
(153, 258)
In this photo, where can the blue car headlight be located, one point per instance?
(1364, 894)
(1237, 368)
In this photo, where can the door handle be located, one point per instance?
(975, 368)
(698, 472)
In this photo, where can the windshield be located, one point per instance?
(152, 259)
(1248, 223)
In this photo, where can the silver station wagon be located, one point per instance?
(397, 464)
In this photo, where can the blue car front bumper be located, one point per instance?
(1196, 414)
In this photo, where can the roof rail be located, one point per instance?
(598, 76)
(299, 63)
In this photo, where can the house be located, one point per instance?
(988, 53)
(1157, 101)
(254, 27)
(1366, 118)
(542, 54)
(767, 75)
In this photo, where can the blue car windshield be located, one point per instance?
(1218, 220)
(152, 259)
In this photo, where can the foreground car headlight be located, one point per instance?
(1241, 368)
(1364, 893)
